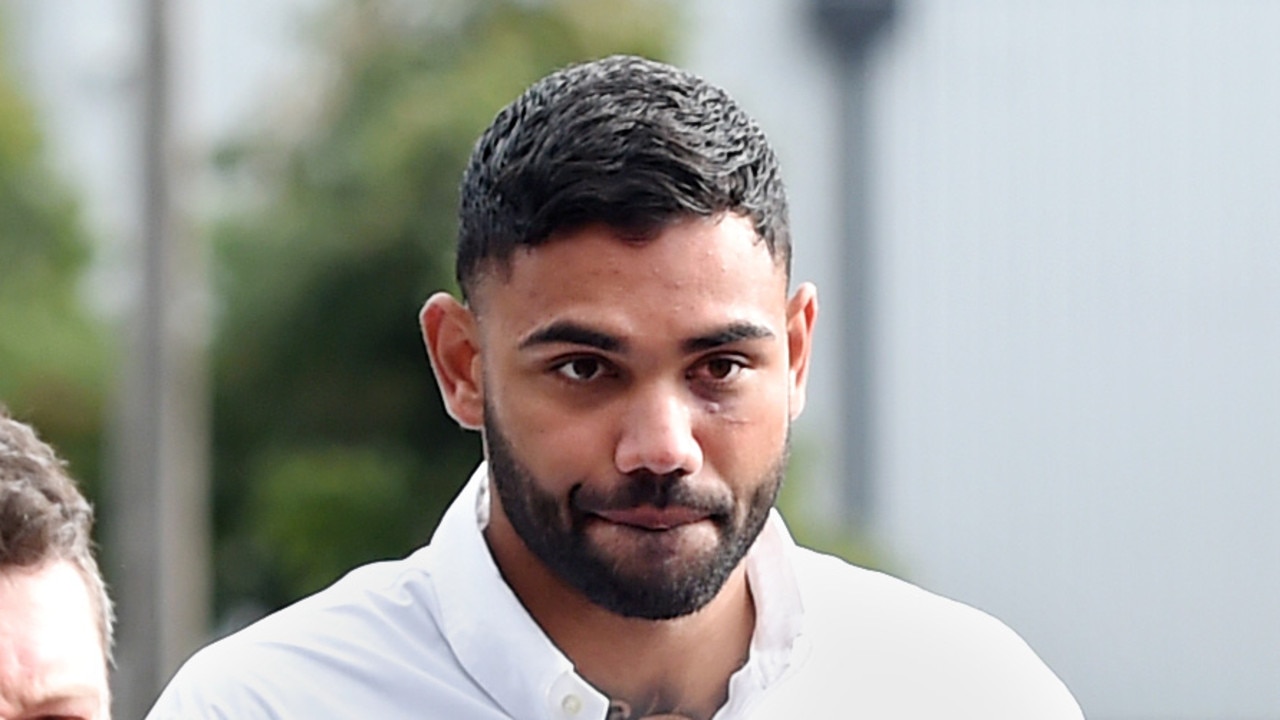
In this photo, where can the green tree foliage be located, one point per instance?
(53, 360)
(332, 447)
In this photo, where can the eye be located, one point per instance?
(720, 369)
(581, 369)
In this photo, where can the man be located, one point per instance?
(628, 350)
(55, 616)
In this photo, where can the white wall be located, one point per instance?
(1078, 353)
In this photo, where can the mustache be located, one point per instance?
(647, 489)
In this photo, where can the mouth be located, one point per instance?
(654, 519)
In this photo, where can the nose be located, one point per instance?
(657, 435)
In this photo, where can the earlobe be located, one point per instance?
(451, 335)
(802, 312)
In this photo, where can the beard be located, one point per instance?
(643, 583)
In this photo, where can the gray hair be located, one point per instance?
(43, 516)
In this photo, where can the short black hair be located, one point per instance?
(624, 141)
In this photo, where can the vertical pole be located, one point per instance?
(857, 336)
(160, 484)
(850, 27)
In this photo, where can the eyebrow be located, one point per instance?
(729, 334)
(565, 331)
(572, 333)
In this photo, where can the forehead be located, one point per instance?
(697, 269)
(49, 641)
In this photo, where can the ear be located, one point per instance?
(452, 337)
(802, 311)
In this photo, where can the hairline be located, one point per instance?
(94, 586)
(498, 265)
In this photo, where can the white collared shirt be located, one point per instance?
(439, 634)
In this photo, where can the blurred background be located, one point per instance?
(1047, 379)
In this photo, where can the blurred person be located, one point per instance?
(55, 615)
(628, 347)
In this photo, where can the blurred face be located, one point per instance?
(52, 663)
(636, 401)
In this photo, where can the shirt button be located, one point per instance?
(571, 704)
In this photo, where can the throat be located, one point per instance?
(656, 710)
(674, 669)
(688, 682)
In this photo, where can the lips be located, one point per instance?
(652, 518)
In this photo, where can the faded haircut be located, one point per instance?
(626, 142)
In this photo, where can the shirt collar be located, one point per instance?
(505, 651)
(776, 593)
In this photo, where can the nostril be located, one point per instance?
(657, 436)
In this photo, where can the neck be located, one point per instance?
(676, 668)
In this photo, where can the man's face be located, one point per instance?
(645, 581)
(637, 398)
(52, 662)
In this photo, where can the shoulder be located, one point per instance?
(898, 650)
(346, 651)
(858, 599)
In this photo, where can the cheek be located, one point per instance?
(743, 442)
(556, 445)
(570, 446)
